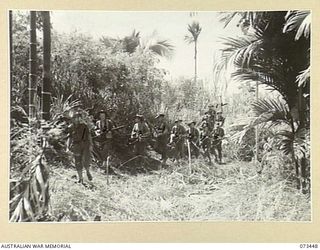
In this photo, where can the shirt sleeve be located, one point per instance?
(134, 129)
(146, 128)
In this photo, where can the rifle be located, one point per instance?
(102, 135)
(137, 139)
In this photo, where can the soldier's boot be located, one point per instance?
(220, 157)
(106, 165)
(164, 162)
(80, 178)
(209, 157)
(89, 175)
(216, 157)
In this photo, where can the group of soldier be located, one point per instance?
(205, 140)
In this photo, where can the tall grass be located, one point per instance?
(231, 192)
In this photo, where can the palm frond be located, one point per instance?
(241, 49)
(297, 142)
(299, 21)
(131, 42)
(303, 77)
(227, 17)
(188, 39)
(63, 107)
(286, 138)
(195, 29)
(158, 46)
(162, 48)
(272, 111)
(273, 79)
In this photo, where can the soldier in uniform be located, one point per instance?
(80, 138)
(211, 117)
(161, 135)
(218, 134)
(204, 121)
(220, 118)
(140, 133)
(193, 138)
(177, 137)
(104, 135)
(205, 141)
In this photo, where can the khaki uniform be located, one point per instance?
(205, 143)
(218, 134)
(81, 148)
(212, 119)
(177, 138)
(161, 134)
(140, 133)
(193, 137)
(220, 119)
(104, 139)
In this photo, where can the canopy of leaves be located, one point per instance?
(194, 29)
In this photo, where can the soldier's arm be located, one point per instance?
(134, 132)
(97, 130)
(166, 130)
(146, 130)
(112, 124)
(197, 134)
(172, 131)
(69, 137)
(222, 132)
(183, 130)
(89, 138)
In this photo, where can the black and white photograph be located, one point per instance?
(159, 116)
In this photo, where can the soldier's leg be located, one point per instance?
(78, 161)
(106, 152)
(195, 149)
(164, 154)
(135, 148)
(208, 150)
(86, 159)
(208, 155)
(214, 151)
(176, 151)
(182, 151)
(219, 148)
(141, 148)
(179, 150)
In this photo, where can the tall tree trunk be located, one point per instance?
(301, 108)
(10, 44)
(257, 129)
(303, 163)
(195, 61)
(46, 84)
(32, 66)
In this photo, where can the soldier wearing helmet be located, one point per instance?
(193, 138)
(218, 134)
(177, 139)
(140, 133)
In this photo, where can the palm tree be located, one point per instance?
(46, 87)
(194, 29)
(134, 43)
(280, 61)
(301, 22)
